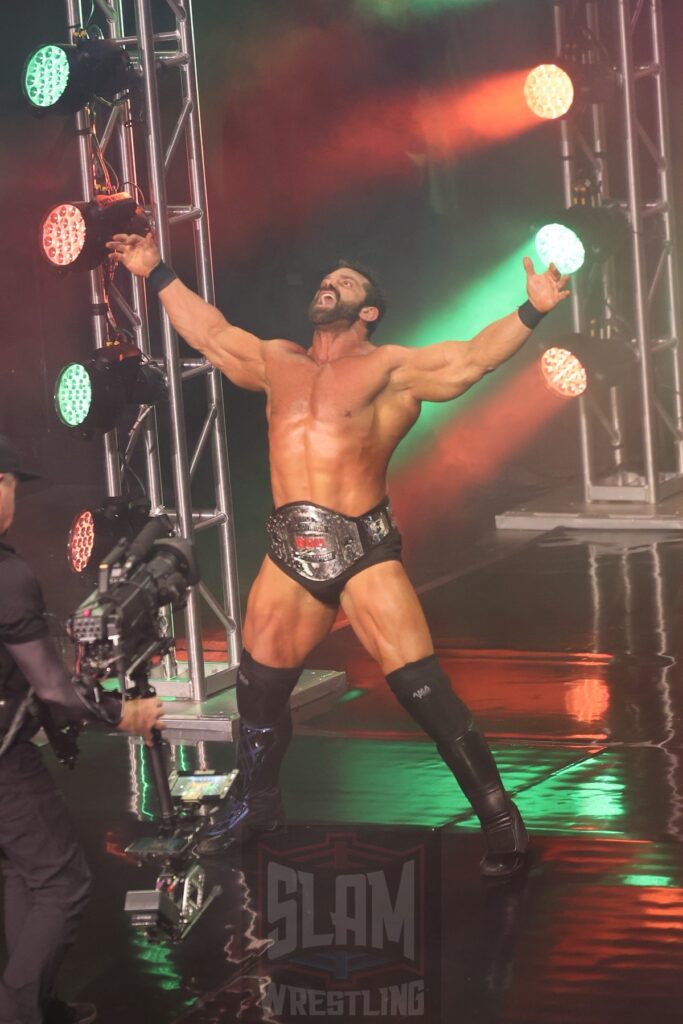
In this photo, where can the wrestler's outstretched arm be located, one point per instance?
(438, 373)
(237, 353)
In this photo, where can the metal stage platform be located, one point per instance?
(569, 509)
(215, 718)
(568, 652)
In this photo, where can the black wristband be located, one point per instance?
(529, 315)
(160, 277)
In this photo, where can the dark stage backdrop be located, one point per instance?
(362, 129)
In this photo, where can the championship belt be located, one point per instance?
(320, 544)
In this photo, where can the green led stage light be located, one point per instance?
(558, 244)
(91, 396)
(73, 236)
(575, 362)
(581, 234)
(73, 394)
(94, 532)
(61, 79)
(46, 76)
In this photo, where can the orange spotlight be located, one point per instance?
(577, 361)
(549, 91)
(563, 372)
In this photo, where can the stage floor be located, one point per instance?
(566, 647)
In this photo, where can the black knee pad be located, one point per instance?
(263, 692)
(424, 690)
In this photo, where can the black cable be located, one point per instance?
(93, 707)
(127, 468)
(141, 194)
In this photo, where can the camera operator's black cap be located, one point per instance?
(10, 461)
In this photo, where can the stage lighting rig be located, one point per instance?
(91, 396)
(95, 531)
(576, 362)
(552, 90)
(582, 233)
(73, 236)
(62, 78)
(549, 91)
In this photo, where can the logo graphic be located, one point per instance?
(343, 919)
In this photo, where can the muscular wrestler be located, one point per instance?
(336, 413)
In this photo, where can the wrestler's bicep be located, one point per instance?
(436, 373)
(239, 355)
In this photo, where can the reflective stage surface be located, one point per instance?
(370, 905)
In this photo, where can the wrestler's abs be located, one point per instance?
(332, 430)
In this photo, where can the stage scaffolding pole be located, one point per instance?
(631, 169)
(152, 47)
(150, 51)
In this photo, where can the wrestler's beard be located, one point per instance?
(346, 312)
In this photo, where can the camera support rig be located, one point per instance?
(118, 634)
(175, 904)
(178, 899)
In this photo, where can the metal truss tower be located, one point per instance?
(168, 48)
(616, 153)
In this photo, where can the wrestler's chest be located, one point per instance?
(322, 393)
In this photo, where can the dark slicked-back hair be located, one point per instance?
(373, 293)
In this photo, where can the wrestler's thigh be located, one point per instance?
(386, 615)
(283, 621)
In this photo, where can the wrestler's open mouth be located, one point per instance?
(327, 297)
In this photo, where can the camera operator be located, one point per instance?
(46, 877)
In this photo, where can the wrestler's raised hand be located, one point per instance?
(139, 255)
(545, 290)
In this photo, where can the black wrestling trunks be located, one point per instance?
(322, 549)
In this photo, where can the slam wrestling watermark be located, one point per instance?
(346, 920)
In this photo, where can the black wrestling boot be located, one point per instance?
(254, 805)
(471, 761)
(424, 690)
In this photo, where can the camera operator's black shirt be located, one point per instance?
(22, 617)
(23, 627)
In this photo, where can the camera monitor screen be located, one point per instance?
(199, 786)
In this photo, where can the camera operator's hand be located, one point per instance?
(141, 716)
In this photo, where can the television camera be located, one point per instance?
(117, 633)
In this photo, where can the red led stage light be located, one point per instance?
(81, 540)
(63, 234)
(73, 236)
(94, 532)
(575, 362)
(563, 372)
